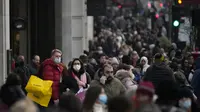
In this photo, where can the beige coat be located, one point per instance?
(125, 77)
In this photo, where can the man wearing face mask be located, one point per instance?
(52, 70)
(22, 70)
(112, 86)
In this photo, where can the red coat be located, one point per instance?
(53, 72)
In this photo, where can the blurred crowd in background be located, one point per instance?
(131, 66)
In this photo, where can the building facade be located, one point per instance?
(49, 24)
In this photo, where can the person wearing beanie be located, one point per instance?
(159, 58)
(114, 60)
(143, 100)
(115, 64)
(158, 71)
(145, 92)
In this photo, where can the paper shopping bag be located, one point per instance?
(41, 100)
(38, 86)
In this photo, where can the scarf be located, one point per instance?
(82, 81)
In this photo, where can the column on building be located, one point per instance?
(71, 28)
(90, 27)
(4, 38)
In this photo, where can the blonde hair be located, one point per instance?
(24, 105)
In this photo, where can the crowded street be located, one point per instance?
(115, 56)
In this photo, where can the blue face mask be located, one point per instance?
(103, 99)
(185, 104)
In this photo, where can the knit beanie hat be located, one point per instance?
(159, 57)
(114, 60)
(146, 88)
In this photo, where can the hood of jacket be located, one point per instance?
(145, 59)
(122, 74)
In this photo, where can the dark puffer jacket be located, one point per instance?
(158, 73)
(53, 72)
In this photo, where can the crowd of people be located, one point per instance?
(128, 68)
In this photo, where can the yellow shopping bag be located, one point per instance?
(41, 100)
(38, 86)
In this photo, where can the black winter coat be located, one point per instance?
(11, 94)
(159, 73)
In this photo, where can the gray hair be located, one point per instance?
(56, 50)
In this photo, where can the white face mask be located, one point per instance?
(57, 60)
(77, 67)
